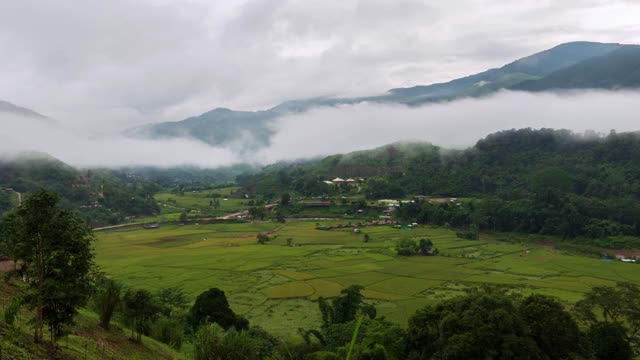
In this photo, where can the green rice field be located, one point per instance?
(196, 204)
(276, 286)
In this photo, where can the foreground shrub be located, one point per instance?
(211, 342)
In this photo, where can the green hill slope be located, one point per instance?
(101, 196)
(86, 339)
(616, 70)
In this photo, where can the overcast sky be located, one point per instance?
(106, 64)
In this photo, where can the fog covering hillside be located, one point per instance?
(543, 181)
(575, 65)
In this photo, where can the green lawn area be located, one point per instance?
(276, 286)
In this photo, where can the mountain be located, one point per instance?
(217, 127)
(615, 70)
(531, 67)
(12, 109)
(550, 182)
(567, 66)
(502, 164)
(101, 196)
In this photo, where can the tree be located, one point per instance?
(285, 199)
(366, 238)
(263, 238)
(257, 212)
(424, 247)
(171, 300)
(344, 308)
(554, 330)
(608, 342)
(140, 308)
(482, 325)
(56, 247)
(107, 298)
(406, 247)
(183, 216)
(617, 305)
(280, 217)
(212, 307)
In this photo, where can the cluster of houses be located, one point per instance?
(339, 181)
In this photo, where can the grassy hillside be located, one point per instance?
(86, 340)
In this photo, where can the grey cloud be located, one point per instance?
(108, 65)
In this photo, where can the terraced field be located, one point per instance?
(276, 285)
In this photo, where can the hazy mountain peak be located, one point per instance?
(7, 107)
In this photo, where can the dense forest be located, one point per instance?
(101, 196)
(534, 181)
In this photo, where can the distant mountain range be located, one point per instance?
(575, 65)
(12, 109)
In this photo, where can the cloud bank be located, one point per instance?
(105, 64)
(325, 131)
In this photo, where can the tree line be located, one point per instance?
(532, 181)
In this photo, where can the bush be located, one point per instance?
(466, 235)
(211, 342)
(406, 247)
(11, 312)
(263, 239)
(106, 299)
(169, 330)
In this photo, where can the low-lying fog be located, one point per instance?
(324, 131)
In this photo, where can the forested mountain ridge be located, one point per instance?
(573, 65)
(535, 181)
(598, 165)
(102, 196)
(618, 69)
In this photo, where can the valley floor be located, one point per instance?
(276, 286)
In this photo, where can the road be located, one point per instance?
(268, 207)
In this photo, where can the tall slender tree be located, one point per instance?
(56, 247)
